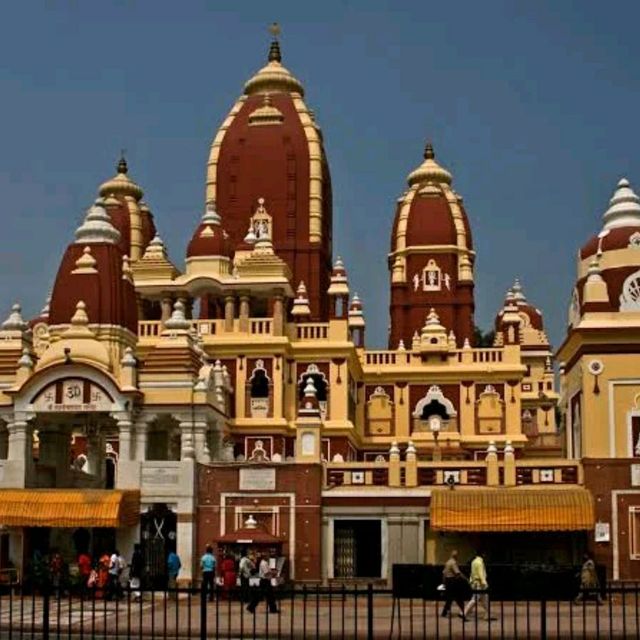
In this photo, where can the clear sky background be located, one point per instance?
(534, 107)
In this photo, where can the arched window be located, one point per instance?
(434, 405)
(259, 391)
(321, 385)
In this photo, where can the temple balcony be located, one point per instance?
(540, 473)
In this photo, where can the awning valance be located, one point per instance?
(69, 508)
(517, 509)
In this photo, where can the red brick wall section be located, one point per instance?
(602, 477)
(303, 481)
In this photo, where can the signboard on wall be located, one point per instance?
(635, 475)
(603, 532)
(257, 479)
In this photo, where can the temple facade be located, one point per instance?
(231, 398)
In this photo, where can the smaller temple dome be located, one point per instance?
(530, 315)
(121, 183)
(429, 170)
(273, 77)
(209, 239)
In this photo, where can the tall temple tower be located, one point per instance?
(269, 151)
(431, 259)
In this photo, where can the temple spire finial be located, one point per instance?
(122, 163)
(274, 49)
(428, 152)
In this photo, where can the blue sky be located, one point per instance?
(533, 106)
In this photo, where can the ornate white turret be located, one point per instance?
(356, 315)
(516, 290)
(156, 248)
(433, 336)
(624, 207)
(15, 321)
(210, 215)
(339, 282)
(595, 287)
(301, 309)
(97, 226)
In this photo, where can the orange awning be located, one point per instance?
(517, 509)
(69, 508)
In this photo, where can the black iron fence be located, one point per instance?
(308, 612)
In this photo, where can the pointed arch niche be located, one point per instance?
(321, 384)
(259, 392)
(434, 403)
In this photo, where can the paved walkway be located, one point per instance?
(319, 617)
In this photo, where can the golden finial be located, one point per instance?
(428, 152)
(122, 164)
(274, 29)
(274, 49)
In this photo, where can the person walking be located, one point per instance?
(479, 586)
(173, 569)
(115, 567)
(454, 582)
(265, 573)
(135, 571)
(589, 583)
(208, 567)
(246, 569)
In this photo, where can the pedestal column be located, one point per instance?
(229, 313)
(244, 313)
(142, 429)
(124, 439)
(18, 438)
(202, 453)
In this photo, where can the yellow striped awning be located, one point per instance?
(517, 509)
(69, 508)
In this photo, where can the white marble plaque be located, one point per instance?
(258, 479)
(635, 475)
(308, 444)
(159, 476)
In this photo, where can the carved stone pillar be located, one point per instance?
(124, 439)
(18, 441)
(142, 430)
(278, 315)
(187, 448)
(229, 313)
(244, 313)
(201, 445)
(166, 306)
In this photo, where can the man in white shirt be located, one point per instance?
(114, 590)
(246, 568)
(265, 573)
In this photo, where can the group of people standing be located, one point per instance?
(249, 565)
